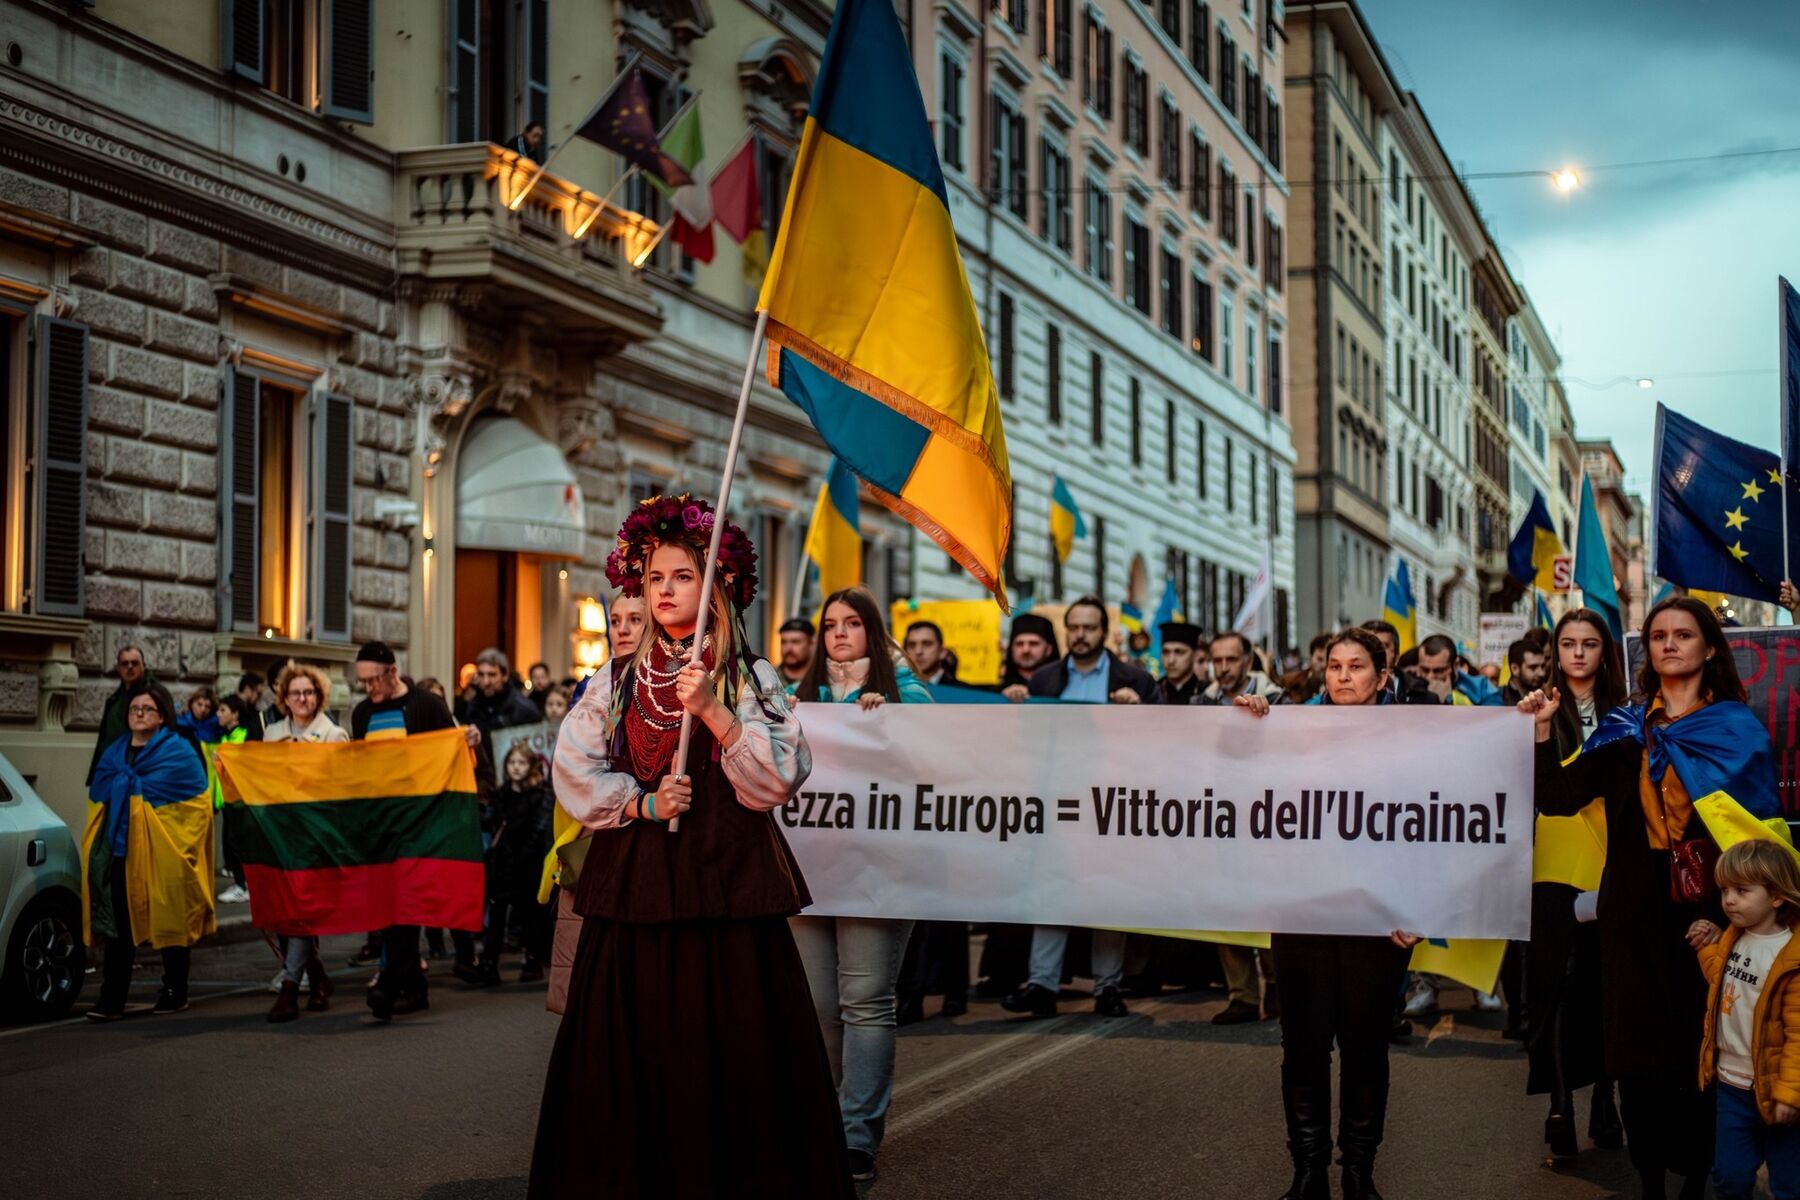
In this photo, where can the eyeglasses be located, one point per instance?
(144, 710)
(301, 693)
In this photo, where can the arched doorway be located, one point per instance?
(519, 518)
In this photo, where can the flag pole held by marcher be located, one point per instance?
(718, 530)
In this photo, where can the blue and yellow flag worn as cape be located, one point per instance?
(156, 811)
(1719, 748)
(872, 328)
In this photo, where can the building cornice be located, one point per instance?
(49, 146)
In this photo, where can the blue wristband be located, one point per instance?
(649, 805)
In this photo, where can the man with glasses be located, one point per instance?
(135, 679)
(390, 709)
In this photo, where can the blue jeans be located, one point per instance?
(851, 965)
(1106, 958)
(1745, 1143)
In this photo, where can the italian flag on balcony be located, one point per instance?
(692, 230)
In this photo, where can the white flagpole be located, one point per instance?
(718, 532)
(1781, 286)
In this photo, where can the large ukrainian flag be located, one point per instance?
(872, 328)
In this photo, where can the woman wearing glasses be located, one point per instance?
(302, 691)
(142, 888)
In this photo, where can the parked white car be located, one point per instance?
(40, 905)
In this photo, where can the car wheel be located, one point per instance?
(42, 973)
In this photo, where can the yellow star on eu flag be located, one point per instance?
(1738, 552)
(1752, 492)
(1774, 476)
(1735, 518)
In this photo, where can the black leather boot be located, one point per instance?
(1309, 1141)
(1362, 1113)
(1605, 1129)
(1559, 1130)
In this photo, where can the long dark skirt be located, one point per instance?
(1562, 994)
(689, 1065)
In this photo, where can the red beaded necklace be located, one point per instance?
(653, 722)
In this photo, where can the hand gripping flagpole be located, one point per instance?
(718, 531)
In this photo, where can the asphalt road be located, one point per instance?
(216, 1102)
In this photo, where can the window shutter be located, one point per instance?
(59, 577)
(464, 99)
(241, 31)
(334, 447)
(537, 61)
(239, 473)
(349, 74)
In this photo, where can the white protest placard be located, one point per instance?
(1313, 819)
(1498, 631)
(540, 737)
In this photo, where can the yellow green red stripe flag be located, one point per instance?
(351, 836)
(872, 328)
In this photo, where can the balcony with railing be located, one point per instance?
(479, 215)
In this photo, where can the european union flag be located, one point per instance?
(1718, 511)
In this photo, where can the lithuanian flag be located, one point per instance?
(872, 328)
(353, 836)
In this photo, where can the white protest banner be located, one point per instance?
(1313, 819)
(1498, 631)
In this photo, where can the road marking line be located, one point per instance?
(932, 1109)
(1032, 1031)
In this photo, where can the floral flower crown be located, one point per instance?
(666, 520)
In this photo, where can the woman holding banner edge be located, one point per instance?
(688, 1012)
(1683, 770)
(1337, 988)
(853, 963)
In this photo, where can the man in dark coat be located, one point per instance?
(134, 680)
(1031, 645)
(1090, 673)
(1181, 682)
(498, 702)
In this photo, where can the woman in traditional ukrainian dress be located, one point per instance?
(689, 1062)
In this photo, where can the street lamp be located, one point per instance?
(1646, 383)
(1566, 180)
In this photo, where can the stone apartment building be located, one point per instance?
(295, 354)
(1115, 175)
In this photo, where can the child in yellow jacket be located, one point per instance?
(1752, 1040)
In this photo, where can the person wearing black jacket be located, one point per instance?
(1652, 887)
(1090, 672)
(498, 702)
(518, 826)
(1031, 645)
(1339, 990)
(1562, 960)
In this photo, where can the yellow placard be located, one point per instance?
(971, 629)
